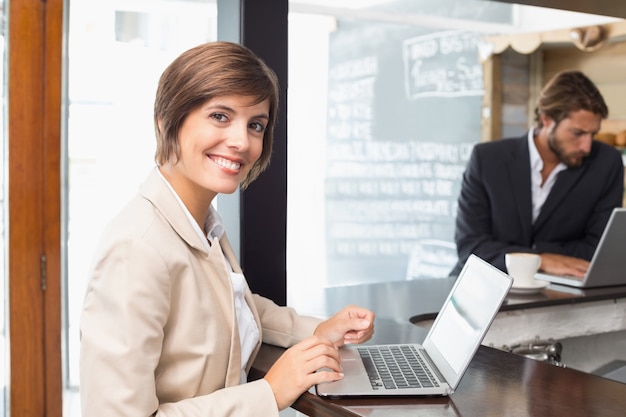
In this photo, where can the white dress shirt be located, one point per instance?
(540, 191)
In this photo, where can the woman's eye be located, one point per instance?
(257, 127)
(220, 117)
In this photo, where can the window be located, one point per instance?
(117, 51)
(384, 107)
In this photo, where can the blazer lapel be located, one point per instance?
(155, 190)
(519, 177)
(158, 193)
(216, 254)
(565, 181)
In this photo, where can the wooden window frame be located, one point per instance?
(33, 241)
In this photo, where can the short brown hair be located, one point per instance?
(567, 92)
(202, 73)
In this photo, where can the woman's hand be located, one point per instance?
(350, 325)
(295, 371)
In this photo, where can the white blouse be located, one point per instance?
(248, 330)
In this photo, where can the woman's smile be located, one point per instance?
(225, 163)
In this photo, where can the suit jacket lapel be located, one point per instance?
(565, 181)
(234, 362)
(519, 177)
(156, 191)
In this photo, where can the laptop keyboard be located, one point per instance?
(391, 367)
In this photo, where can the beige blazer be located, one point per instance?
(158, 327)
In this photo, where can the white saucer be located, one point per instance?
(529, 289)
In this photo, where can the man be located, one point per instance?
(549, 192)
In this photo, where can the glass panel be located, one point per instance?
(385, 101)
(116, 52)
(4, 277)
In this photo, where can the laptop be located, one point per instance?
(608, 264)
(445, 353)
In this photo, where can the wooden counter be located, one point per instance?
(497, 383)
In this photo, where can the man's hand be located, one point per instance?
(555, 264)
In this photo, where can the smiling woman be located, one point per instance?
(168, 319)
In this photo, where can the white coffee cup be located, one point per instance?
(522, 267)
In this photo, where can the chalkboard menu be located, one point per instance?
(403, 116)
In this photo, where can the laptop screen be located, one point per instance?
(465, 317)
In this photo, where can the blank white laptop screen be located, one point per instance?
(465, 318)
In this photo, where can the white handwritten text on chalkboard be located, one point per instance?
(442, 64)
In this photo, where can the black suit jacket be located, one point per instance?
(494, 214)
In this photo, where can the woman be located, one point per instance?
(169, 326)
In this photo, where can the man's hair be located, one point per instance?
(567, 92)
(202, 73)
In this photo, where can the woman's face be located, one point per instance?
(219, 143)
